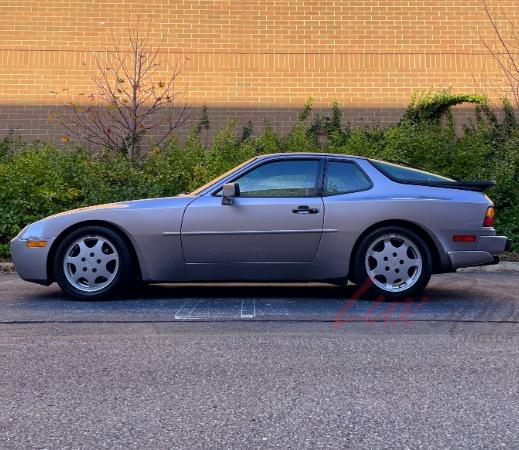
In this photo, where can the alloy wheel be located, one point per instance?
(393, 262)
(91, 263)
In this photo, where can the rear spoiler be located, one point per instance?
(480, 186)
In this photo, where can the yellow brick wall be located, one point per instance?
(251, 60)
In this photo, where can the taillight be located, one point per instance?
(464, 238)
(489, 217)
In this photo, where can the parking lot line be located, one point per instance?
(248, 308)
(187, 309)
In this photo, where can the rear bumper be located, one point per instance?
(487, 249)
(494, 244)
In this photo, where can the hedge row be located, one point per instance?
(40, 178)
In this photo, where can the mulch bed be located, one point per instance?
(509, 256)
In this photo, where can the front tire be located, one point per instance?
(394, 261)
(93, 262)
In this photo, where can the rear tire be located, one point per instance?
(93, 262)
(395, 261)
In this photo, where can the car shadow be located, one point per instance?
(241, 291)
(438, 290)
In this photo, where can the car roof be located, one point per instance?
(319, 154)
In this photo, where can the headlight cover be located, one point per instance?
(33, 230)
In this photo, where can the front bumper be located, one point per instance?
(487, 249)
(30, 263)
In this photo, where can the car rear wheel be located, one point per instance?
(394, 261)
(92, 262)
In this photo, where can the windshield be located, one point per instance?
(406, 174)
(221, 177)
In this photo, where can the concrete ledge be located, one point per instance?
(503, 266)
(7, 267)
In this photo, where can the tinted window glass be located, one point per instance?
(215, 180)
(281, 179)
(406, 174)
(344, 177)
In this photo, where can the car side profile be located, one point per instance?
(278, 217)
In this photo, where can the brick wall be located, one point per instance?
(250, 60)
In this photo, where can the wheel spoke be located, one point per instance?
(73, 260)
(388, 246)
(103, 272)
(83, 249)
(91, 281)
(389, 286)
(391, 277)
(79, 275)
(402, 251)
(410, 263)
(378, 256)
(105, 259)
(98, 247)
(378, 270)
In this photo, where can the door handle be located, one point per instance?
(305, 209)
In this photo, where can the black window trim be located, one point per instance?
(319, 179)
(348, 161)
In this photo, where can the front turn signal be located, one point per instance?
(489, 217)
(32, 243)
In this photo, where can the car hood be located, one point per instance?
(110, 212)
(179, 200)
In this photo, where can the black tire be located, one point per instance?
(360, 274)
(122, 275)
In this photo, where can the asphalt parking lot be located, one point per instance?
(469, 296)
(278, 366)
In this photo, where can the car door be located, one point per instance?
(277, 218)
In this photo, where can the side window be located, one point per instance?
(344, 177)
(295, 178)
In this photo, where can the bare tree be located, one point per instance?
(505, 50)
(129, 101)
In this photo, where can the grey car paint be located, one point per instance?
(195, 237)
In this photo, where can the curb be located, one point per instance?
(503, 266)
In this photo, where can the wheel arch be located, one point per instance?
(101, 223)
(434, 247)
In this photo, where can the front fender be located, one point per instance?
(152, 227)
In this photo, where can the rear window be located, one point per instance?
(407, 174)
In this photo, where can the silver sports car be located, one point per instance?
(286, 217)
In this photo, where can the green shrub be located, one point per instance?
(431, 106)
(39, 179)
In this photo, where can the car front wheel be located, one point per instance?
(394, 261)
(92, 262)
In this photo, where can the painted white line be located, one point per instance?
(182, 316)
(182, 307)
(248, 309)
(204, 310)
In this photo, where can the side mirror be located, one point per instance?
(229, 191)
